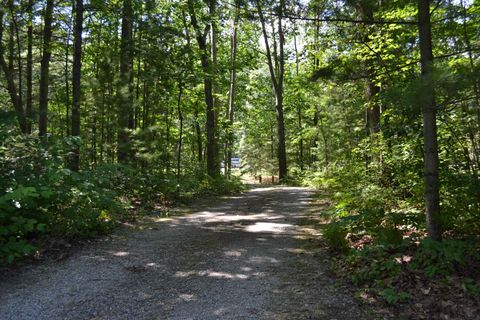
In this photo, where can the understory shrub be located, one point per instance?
(40, 196)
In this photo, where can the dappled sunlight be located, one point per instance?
(186, 297)
(269, 227)
(97, 258)
(120, 254)
(211, 274)
(234, 253)
(261, 260)
(218, 217)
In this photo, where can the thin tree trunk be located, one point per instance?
(19, 61)
(45, 69)
(125, 92)
(102, 127)
(180, 138)
(67, 82)
(167, 139)
(277, 85)
(29, 71)
(11, 88)
(76, 83)
(231, 93)
(299, 109)
(212, 165)
(429, 111)
(11, 35)
(199, 139)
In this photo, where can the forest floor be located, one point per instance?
(250, 256)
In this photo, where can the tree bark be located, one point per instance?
(76, 83)
(15, 30)
(45, 69)
(199, 139)
(429, 111)
(11, 88)
(231, 93)
(125, 90)
(180, 119)
(277, 85)
(212, 150)
(29, 71)
(299, 109)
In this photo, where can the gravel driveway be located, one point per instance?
(244, 257)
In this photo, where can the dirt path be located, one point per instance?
(243, 258)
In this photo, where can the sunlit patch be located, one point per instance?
(268, 227)
(152, 265)
(184, 274)
(98, 258)
(218, 217)
(186, 297)
(257, 259)
(211, 274)
(160, 219)
(121, 254)
(223, 275)
(264, 189)
(246, 269)
(261, 239)
(297, 250)
(233, 253)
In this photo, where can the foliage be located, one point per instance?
(45, 198)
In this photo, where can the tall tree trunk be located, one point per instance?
(277, 85)
(231, 93)
(11, 35)
(180, 119)
(11, 88)
(199, 139)
(29, 102)
(67, 75)
(125, 90)
(365, 11)
(16, 33)
(429, 111)
(299, 109)
(76, 83)
(201, 36)
(45, 69)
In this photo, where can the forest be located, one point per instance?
(117, 108)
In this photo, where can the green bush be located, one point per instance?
(336, 236)
(443, 258)
(41, 196)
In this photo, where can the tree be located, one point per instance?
(276, 67)
(76, 82)
(45, 69)
(208, 69)
(29, 71)
(231, 91)
(429, 112)
(125, 89)
(11, 87)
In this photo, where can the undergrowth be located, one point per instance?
(376, 232)
(40, 197)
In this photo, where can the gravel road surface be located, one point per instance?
(242, 257)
